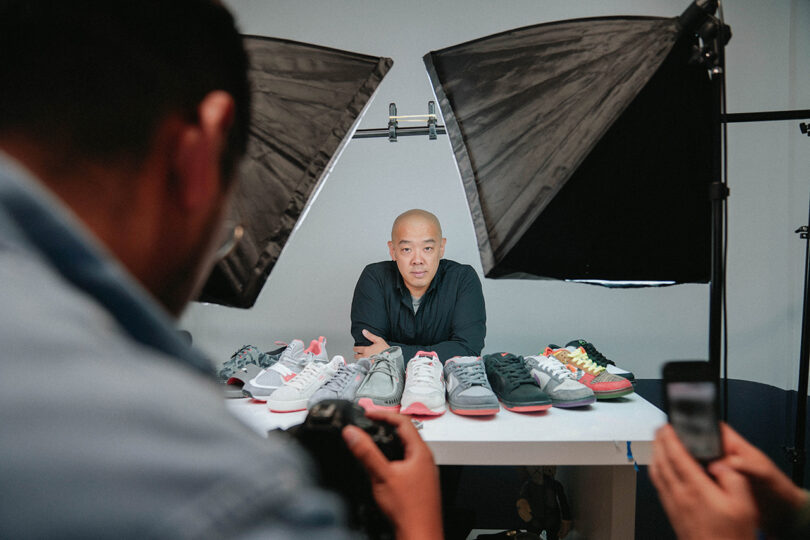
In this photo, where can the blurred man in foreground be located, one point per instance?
(121, 125)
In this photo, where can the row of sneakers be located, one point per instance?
(561, 377)
(427, 387)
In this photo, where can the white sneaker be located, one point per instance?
(424, 386)
(295, 393)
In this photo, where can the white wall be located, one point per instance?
(309, 292)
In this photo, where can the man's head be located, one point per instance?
(417, 246)
(135, 113)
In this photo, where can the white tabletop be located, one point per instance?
(594, 435)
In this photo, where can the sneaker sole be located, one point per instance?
(612, 394)
(525, 408)
(475, 412)
(574, 403)
(420, 409)
(249, 394)
(369, 405)
(287, 406)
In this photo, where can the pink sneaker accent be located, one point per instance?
(419, 409)
(475, 412)
(315, 346)
(528, 408)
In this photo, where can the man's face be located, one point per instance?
(417, 246)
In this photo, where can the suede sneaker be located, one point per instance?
(600, 359)
(382, 387)
(344, 384)
(424, 386)
(468, 390)
(513, 384)
(604, 385)
(558, 382)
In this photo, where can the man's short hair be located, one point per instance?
(92, 79)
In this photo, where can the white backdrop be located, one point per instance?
(309, 291)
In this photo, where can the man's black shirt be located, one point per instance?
(451, 319)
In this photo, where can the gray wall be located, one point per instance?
(309, 292)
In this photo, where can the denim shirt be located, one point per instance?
(110, 425)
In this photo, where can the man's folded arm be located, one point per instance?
(368, 309)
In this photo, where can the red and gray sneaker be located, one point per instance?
(513, 383)
(604, 385)
(468, 390)
(600, 359)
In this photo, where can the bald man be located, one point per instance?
(417, 300)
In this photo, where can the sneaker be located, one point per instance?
(468, 390)
(600, 359)
(382, 387)
(424, 386)
(604, 385)
(294, 395)
(289, 364)
(558, 382)
(513, 384)
(344, 384)
(248, 354)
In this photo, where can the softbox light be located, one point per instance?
(306, 101)
(584, 147)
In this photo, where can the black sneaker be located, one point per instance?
(513, 383)
(600, 359)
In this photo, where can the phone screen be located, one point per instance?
(693, 414)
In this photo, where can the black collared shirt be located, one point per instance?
(451, 319)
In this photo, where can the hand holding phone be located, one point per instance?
(691, 400)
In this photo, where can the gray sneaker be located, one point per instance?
(344, 384)
(468, 390)
(558, 382)
(292, 361)
(382, 387)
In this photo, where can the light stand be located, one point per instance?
(699, 19)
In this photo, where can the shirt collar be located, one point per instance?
(406, 293)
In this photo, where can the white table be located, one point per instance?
(589, 444)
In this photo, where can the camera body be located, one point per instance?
(339, 470)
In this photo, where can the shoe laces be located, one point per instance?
(383, 365)
(471, 374)
(580, 357)
(422, 370)
(306, 376)
(555, 368)
(514, 371)
(237, 361)
(339, 379)
(595, 355)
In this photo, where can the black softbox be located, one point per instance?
(306, 101)
(584, 147)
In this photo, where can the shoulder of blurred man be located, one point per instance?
(105, 436)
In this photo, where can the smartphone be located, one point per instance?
(691, 400)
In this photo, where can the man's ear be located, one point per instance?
(391, 250)
(441, 248)
(200, 145)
